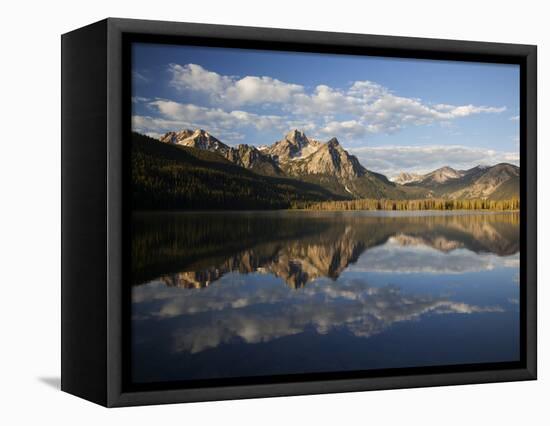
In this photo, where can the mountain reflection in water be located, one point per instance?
(188, 250)
(209, 288)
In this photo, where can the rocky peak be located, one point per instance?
(442, 175)
(198, 138)
(297, 136)
(333, 143)
(329, 159)
(243, 155)
(176, 137)
(404, 178)
(294, 145)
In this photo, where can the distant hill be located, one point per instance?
(506, 190)
(497, 182)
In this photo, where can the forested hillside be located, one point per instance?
(176, 177)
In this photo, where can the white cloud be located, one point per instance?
(390, 160)
(372, 105)
(139, 99)
(449, 111)
(195, 77)
(175, 116)
(325, 100)
(349, 129)
(156, 127)
(230, 90)
(254, 90)
(514, 118)
(367, 90)
(377, 110)
(223, 106)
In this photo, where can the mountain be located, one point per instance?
(297, 156)
(252, 158)
(293, 146)
(328, 166)
(245, 156)
(507, 190)
(179, 176)
(328, 159)
(437, 177)
(489, 180)
(474, 170)
(198, 138)
(494, 182)
(403, 178)
(440, 176)
(332, 167)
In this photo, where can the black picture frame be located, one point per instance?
(95, 124)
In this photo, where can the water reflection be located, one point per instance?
(210, 288)
(324, 306)
(190, 250)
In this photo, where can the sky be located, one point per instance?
(394, 114)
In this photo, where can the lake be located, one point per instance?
(233, 294)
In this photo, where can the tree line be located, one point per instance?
(404, 205)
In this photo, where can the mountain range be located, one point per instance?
(494, 182)
(298, 168)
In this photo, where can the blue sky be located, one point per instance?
(394, 114)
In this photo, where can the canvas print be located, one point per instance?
(306, 213)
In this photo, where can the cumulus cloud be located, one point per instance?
(235, 107)
(225, 119)
(449, 111)
(138, 99)
(155, 127)
(368, 107)
(375, 109)
(171, 115)
(230, 90)
(325, 100)
(390, 160)
(261, 89)
(350, 129)
(195, 77)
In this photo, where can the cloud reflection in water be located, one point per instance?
(232, 310)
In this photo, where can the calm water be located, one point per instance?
(262, 293)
